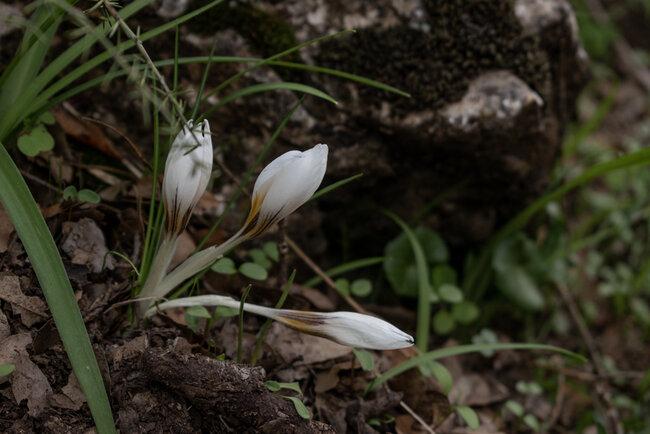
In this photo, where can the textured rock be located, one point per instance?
(492, 84)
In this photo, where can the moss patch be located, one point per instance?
(467, 37)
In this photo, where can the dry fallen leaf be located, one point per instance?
(6, 229)
(85, 244)
(294, 346)
(477, 390)
(71, 396)
(5, 330)
(30, 308)
(27, 381)
(85, 132)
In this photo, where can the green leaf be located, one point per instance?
(400, 263)
(532, 422)
(469, 416)
(275, 386)
(640, 310)
(259, 257)
(88, 196)
(422, 271)
(334, 186)
(271, 250)
(344, 268)
(515, 408)
(47, 118)
(443, 274)
(520, 287)
(253, 271)
(443, 322)
(44, 257)
(225, 312)
(224, 266)
(198, 312)
(6, 369)
(267, 87)
(465, 312)
(36, 141)
(70, 193)
(462, 349)
(365, 359)
(300, 407)
(450, 293)
(361, 287)
(342, 286)
(442, 374)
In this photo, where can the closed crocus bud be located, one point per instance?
(187, 172)
(346, 328)
(283, 186)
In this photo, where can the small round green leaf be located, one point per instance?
(365, 359)
(443, 322)
(88, 196)
(225, 312)
(532, 422)
(465, 312)
(301, 409)
(272, 385)
(6, 369)
(253, 271)
(443, 273)
(36, 141)
(47, 118)
(70, 193)
(224, 266)
(515, 408)
(361, 287)
(198, 312)
(469, 416)
(450, 293)
(342, 286)
(271, 250)
(442, 374)
(259, 257)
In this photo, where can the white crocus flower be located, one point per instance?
(187, 172)
(282, 187)
(346, 328)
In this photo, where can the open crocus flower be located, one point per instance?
(187, 172)
(282, 187)
(346, 328)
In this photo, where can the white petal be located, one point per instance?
(289, 181)
(187, 173)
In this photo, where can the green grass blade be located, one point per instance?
(424, 286)
(344, 268)
(47, 263)
(334, 186)
(81, 70)
(26, 104)
(230, 59)
(517, 223)
(462, 349)
(267, 87)
(29, 62)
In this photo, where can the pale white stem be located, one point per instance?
(159, 267)
(196, 263)
(346, 328)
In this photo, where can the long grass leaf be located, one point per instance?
(345, 268)
(425, 292)
(462, 349)
(44, 257)
(334, 186)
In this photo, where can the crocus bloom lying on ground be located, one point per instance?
(347, 328)
(187, 172)
(282, 187)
